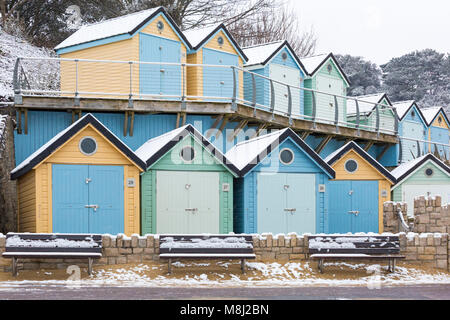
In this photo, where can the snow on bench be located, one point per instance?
(206, 247)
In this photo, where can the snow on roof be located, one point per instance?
(258, 54)
(58, 136)
(405, 167)
(311, 63)
(364, 107)
(402, 107)
(196, 36)
(403, 170)
(152, 146)
(245, 152)
(430, 113)
(107, 28)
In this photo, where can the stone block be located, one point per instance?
(430, 239)
(125, 251)
(275, 242)
(112, 260)
(269, 240)
(121, 260)
(134, 240)
(111, 252)
(138, 250)
(426, 257)
(282, 257)
(297, 250)
(126, 243)
(150, 241)
(441, 264)
(106, 241)
(430, 250)
(297, 257)
(285, 250)
(438, 201)
(255, 241)
(142, 243)
(2, 241)
(133, 258)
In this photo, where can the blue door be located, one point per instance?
(217, 81)
(353, 206)
(88, 199)
(70, 195)
(160, 79)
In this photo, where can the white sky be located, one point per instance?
(378, 30)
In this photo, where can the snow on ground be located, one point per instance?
(227, 274)
(10, 49)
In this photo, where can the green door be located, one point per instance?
(187, 202)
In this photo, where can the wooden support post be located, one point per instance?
(183, 119)
(238, 129)
(125, 124)
(132, 123)
(323, 143)
(261, 127)
(214, 125)
(222, 126)
(305, 135)
(177, 124)
(73, 116)
(368, 146)
(19, 121)
(25, 112)
(383, 152)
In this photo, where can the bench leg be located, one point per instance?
(320, 265)
(14, 267)
(169, 266)
(90, 261)
(243, 265)
(393, 265)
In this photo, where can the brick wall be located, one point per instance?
(427, 249)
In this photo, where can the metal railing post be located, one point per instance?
(254, 94)
(77, 98)
(314, 108)
(357, 117)
(396, 123)
(336, 114)
(418, 149)
(400, 150)
(289, 104)
(272, 99)
(183, 93)
(233, 98)
(16, 83)
(377, 124)
(130, 98)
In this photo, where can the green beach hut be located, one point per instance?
(188, 185)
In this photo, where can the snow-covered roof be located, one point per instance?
(366, 105)
(313, 62)
(151, 151)
(196, 36)
(247, 154)
(58, 140)
(406, 169)
(431, 113)
(258, 54)
(109, 28)
(402, 107)
(339, 153)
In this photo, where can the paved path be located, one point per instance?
(285, 293)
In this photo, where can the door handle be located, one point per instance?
(290, 210)
(355, 212)
(162, 70)
(193, 210)
(93, 206)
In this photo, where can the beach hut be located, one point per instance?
(368, 113)
(438, 131)
(145, 36)
(84, 180)
(423, 176)
(357, 194)
(214, 46)
(325, 75)
(277, 61)
(188, 185)
(282, 186)
(412, 130)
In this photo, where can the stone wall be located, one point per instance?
(8, 191)
(390, 216)
(430, 215)
(427, 249)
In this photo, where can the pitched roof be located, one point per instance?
(58, 140)
(198, 37)
(248, 154)
(339, 153)
(312, 64)
(403, 107)
(407, 168)
(431, 113)
(366, 103)
(127, 24)
(152, 150)
(263, 53)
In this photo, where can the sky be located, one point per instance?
(377, 30)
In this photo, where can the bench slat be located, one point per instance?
(355, 250)
(56, 250)
(206, 250)
(51, 254)
(188, 238)
(49, 236)
(209, 255)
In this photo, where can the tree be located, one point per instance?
(365, 76)
(421, 75)
(273, 24)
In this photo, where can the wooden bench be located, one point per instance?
(177, 247)
(344, 247)
(52, 246)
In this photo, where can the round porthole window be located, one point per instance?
(187, 154)
(429, 172)
(284, 56)
(440, 120)
(329, 68)
(413, 114)
(351, 166)
(220, 40)
(286, 156)
(160, 25)
(88, 146)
